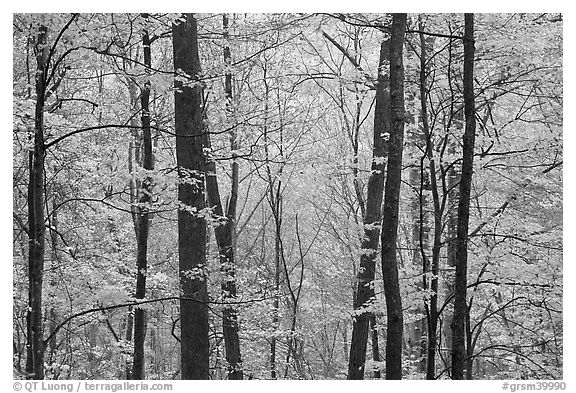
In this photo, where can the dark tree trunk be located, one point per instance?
(391, 203)
(460, 308)
(364, 294)
(143, 220)
(36, 225)
(195, 346)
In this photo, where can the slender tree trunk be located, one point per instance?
(128, 337)
(460, 309)
(36, 225)
(275, 311)
(364, 294)
(224, 238)
(54, 263)
(143, 220)
(456, 126)
(275, 201)
(134, 157)
(452, 225)
(420, 235)
(230, 314)
(469, 344)
(375, 346)
(195, 346)
(391, 203)
(432, 304)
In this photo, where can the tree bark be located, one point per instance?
(143, 221)
(195, 347)
(36, 225)
(364, 293)
(460, 307)
(391, 203)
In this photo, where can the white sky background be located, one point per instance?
(8, 7)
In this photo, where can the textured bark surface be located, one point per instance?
(36, 225)
(460, 307)
(364, 293)
(143, 220)
(194, 344)
(391, 203)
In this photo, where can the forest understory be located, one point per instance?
(287, 196)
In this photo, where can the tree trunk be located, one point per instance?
(453, 180)
(432, 304)
(274, 194)
(469, 344)
(53, 280)
(364, 294)
(227, 251)
(224, 232)
(128, 338)
(36, 225)
(195, 346)
(375, 347)
(143, 221)
(460, 309)
(391, 203)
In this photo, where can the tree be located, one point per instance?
(391, 203)
(460, 305)
(364, 293)
(225, 232)
(142, 223)
(188, 107)
(438, 209)
(36, 225)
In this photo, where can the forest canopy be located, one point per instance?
(287, 196)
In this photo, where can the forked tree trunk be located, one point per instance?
(143, 218)
(36, 225)
(194, 344)
(364, 293)
(460, 307)
(391, 203)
